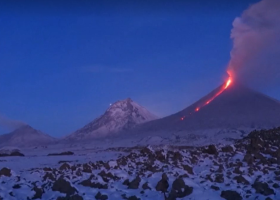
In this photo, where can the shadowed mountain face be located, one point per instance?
(236, 107)
(122, 115)
(25, 136)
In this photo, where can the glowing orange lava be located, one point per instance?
(226, 85)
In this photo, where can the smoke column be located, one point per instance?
(255, 57)
(10, 124)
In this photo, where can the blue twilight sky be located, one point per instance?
(62, 63)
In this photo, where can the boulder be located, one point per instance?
(263, 188)
(100, 196)
(5, 172)
(134, 184)
(212, 150)
(179, 189)
(230, 195)
(163, 185)
(63, 186)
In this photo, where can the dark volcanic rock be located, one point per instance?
(63, 186)
(16, 186)
(262, 188)
(163, 185)
(134, 184)
(49, 176)
(219, 178)
(15, 153)
(64, 166)
(145, 186)
(227, 149)
(66, 153)
(215, 187)
(275, 185)
(241, 179)
(133, 198)
(74, 197)
(210, 150)
(88, 183)
(100, 196)
(179, 189)
(231, 195)
(38, 193)
(5, 172)
(188, 168)
(126, 182)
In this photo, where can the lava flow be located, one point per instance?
(225, 86)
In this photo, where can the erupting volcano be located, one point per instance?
(208, 101)
(229, 111)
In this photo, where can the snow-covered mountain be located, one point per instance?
(122, 115)
(231, 115)
(25, 136)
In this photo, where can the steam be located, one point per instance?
(10, 124)
(255, 57)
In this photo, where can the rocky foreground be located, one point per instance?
(247, 169)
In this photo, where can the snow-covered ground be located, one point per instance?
(247, 169)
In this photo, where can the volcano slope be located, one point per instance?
(231, 115)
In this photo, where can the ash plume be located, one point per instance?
(10, 124)
(255, 57)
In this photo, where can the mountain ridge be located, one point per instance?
(25, 136)
(120, 116)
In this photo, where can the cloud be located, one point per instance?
(255, 57)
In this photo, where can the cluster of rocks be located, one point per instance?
(66, 153)
(250, 165)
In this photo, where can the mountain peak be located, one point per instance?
(25, 135)
(121, 115)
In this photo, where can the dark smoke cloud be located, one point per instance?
(10, 124)
(255, 57)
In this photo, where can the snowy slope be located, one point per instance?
(231, 115)
(122, 115)
(25, 136)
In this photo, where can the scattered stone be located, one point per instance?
(227, 149)
(63, 186)
(231, 195)
(87, 168)
(145, 186)
(49, 176)
(65, 166)
(179, 189)
(262, 188)
(188, 168)
(74, 197)
(215, 187)
(38, 193)
(16, 186)
(5, 172)
(126, 182)
(67, 153)
(241, 179)
(133, 198)
(210, 150)
(100, 196)
(219, 178)
(163, 185)
(134, 184)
